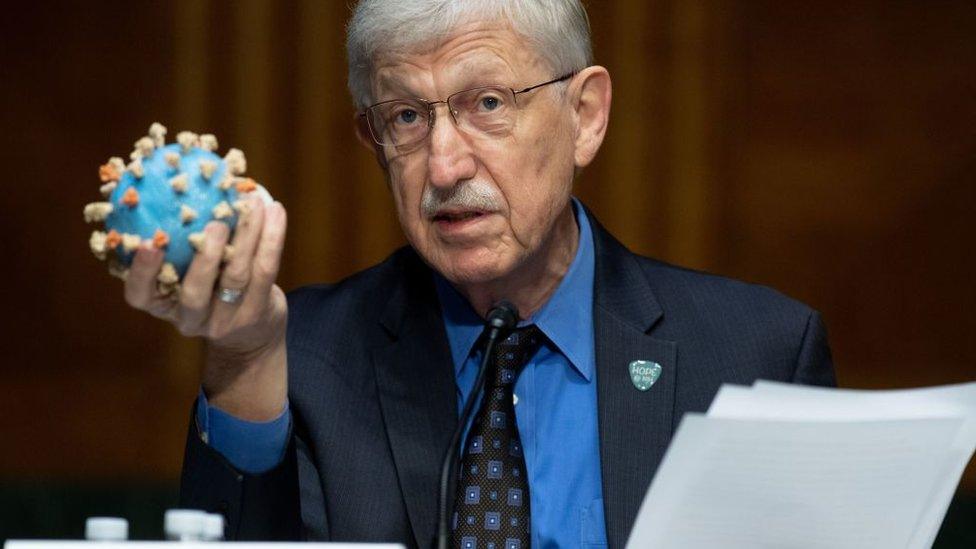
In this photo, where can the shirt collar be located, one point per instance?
(566, 319)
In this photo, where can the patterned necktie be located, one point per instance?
(491, 507)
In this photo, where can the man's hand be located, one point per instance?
(246, 368)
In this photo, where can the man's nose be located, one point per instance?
(451, 157)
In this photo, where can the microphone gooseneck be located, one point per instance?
(500, 320)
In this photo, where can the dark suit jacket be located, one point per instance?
(373, 397)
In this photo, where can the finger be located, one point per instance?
(164, 306)
(200, 277)
(267, 257)
(237, 272)
(140, 285)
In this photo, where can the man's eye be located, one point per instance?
(407, 116)
(490, 103)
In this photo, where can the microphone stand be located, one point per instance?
(501, 318)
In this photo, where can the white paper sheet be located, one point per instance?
(748, 483)
(773, 400)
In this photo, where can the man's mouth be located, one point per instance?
(454, 217)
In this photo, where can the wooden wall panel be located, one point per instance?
(825, 149)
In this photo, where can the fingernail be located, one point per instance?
(214, 232)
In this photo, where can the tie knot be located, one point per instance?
(513, 352)
(522, 338)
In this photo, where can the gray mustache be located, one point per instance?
(468, 195)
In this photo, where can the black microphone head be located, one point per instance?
(503, 315)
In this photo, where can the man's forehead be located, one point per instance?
(471, 54)
(468, 68)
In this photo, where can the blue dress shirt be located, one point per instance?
(555, 407)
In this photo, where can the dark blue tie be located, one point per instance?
(491, 507)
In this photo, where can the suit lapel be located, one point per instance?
(635, 426)
(415, 376)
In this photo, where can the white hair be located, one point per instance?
(558, 29)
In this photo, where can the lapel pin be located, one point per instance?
(643, 373)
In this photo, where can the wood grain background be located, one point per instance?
(825, 148)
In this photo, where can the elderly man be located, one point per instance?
(480, 114)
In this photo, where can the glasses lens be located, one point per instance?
(490, 110)
(399, 122)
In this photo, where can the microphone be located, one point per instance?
(501, 319)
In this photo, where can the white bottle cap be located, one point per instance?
(184, 524)
(213, 527)
(106, 529)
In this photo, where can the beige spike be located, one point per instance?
(208, 142)
(117, 163)
(227, 182)
(97, 211)
(228, 253)
(136, 168)
(173, 160)
(107, 188)
(158, 134)
(171, 291)
(135, 155)
(97, 244)
(179, 183)
(222, 210)
(167, 275)
(130, 242)
(187, 214)
(236, 162)
(117, 270)
(197, 240)
(187, 141)
(145, 146)
(242, 207)
(207, 168)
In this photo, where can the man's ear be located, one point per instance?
(590, 92)
(364, 137)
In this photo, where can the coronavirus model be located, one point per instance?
(165, 195)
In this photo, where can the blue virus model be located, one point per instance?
(166, 195)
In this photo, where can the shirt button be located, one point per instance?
(514, 399)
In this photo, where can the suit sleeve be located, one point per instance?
(261, 506)
(814, 365)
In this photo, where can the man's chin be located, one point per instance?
(466, 268)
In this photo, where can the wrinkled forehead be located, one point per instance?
(470, 55)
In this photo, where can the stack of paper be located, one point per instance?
(778, 465)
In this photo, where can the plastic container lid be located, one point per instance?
(213, 527)
(184, 524)
(106, 529)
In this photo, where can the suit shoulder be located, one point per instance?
(347, 305)
(715, 296)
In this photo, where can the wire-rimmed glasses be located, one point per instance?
(486, 110)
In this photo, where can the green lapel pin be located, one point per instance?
(643, 373)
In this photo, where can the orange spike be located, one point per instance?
(160, 238)
(113, 239)
(108, 172)
(246, 185)
(131, 197)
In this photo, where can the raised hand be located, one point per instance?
(238, 309)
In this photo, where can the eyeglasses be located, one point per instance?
(486, 111)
